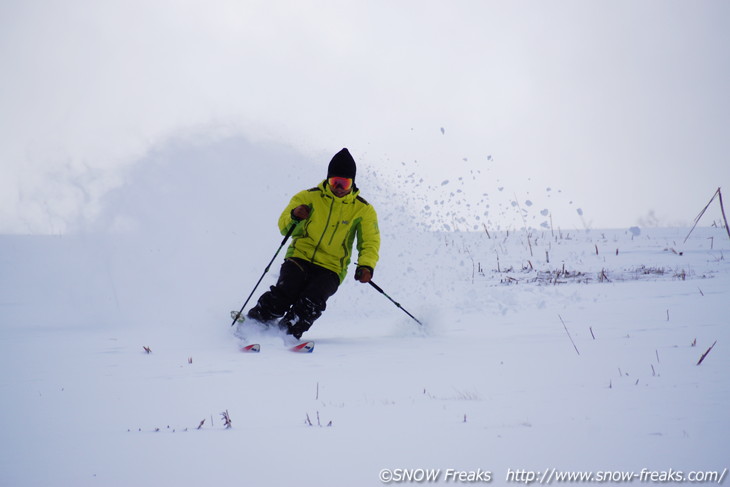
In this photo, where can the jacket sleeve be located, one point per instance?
(368, 239)
(285, 220)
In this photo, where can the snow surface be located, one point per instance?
(542, 348)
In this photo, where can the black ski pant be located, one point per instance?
(298, 298)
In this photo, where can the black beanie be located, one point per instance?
(342, 165)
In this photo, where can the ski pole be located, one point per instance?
(377, 288)
(283, 242)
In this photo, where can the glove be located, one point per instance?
(300, 213)
(363, 274)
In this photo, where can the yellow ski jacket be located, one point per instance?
(326, 237)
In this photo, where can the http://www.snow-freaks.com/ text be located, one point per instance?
(548, 476)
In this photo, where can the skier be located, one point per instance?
(329, 217)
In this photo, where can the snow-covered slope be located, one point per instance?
(541, 349)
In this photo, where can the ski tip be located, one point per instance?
(253, 348)
(304, 347)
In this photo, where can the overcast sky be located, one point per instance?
(623, 106)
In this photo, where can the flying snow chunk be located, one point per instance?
(545, 212)
(443, 131)
(580, 211)
(528, 203)
(444, 182)
(635, 231)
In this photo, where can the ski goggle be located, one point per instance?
(342, 183)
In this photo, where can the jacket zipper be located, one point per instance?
(332, 237)
(327, 225)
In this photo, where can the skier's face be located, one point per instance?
(340, 186)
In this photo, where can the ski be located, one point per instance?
(304, 347)
(298, 347)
